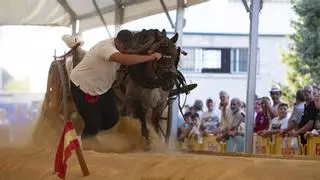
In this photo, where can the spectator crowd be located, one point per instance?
(226, 119)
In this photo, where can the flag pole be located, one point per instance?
(66, 114)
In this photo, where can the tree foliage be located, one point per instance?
(303, 56)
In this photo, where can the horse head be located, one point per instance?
(155, 74)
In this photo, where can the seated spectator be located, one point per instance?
(278, 123)
(262, 118)
(210, 119)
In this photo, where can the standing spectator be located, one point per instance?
(225, 110)
(197, 107)
(297, 112)
(275, 94)
(210, 119)
(309, 115)
(236, 131)
(257, 107)
(315, 90)
(262, 118)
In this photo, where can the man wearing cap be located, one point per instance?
(92, 78)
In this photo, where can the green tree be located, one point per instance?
(303, 56)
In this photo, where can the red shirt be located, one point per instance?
(261, 122)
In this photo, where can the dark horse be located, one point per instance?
(149, 84)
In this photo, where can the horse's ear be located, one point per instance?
(174, 38)
(164, 32)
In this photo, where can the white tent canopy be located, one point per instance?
(65, 12)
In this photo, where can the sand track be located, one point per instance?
(123, 159)
(32, 164)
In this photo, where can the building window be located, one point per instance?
(211, 58)
(239, 60)
(216, 60)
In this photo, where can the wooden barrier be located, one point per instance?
(285, 145)
(211, 144)
(313, 146)
(190, 144)
(261, 145)
(280, 145)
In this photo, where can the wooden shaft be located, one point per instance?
(82, 162)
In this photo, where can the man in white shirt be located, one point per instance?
(210, 119)
(92, 78)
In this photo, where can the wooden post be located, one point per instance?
(82, 162)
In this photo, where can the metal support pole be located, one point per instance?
(119, 12)
(173, 104)
(165, 9)
(96, 6)
(252, 69)
(1, 80)
(74, 27)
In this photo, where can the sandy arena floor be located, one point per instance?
(27, 164)
(123, 160)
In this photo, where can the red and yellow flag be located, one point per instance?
(68, 143)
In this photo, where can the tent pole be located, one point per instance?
(119, 12)
(252, 72)
(173, 106)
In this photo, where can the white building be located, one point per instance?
(219, 62)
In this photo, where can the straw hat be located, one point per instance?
(71, 41)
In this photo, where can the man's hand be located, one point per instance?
(232, 133)
(294, 134)
(156, 56)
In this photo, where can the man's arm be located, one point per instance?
(129, 59)
(291, 125)
(294, 119)
(306, 127)
(271, 112)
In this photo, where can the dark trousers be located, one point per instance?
(99, 114)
